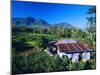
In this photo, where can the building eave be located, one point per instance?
(81, 51)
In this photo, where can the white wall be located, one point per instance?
(75, 57)
(86, 56)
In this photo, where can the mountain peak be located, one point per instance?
(30, 22)
(64, 24)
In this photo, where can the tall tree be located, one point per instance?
(91, 25)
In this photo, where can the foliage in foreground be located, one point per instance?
(42, 62)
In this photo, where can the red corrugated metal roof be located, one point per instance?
(72, 47)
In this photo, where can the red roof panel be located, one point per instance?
(71, 47)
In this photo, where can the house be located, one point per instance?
(73, 49)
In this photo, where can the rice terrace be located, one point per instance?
(49, 37)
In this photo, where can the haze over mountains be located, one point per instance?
(36, 23)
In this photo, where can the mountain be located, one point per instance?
(36, 23)
(64, 25)
(30, 22)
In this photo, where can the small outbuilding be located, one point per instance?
(73, 49)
